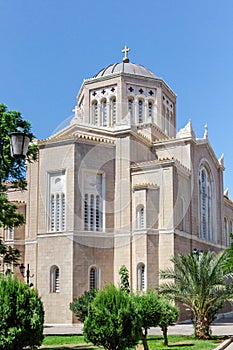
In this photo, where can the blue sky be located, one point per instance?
(48, 47)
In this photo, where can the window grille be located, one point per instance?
(141, 285)
(93, 278)
(113, 111)
(150, 109)
(95, 112)
(130, 107)
(104, 112)
(54, 279)
(206, 204)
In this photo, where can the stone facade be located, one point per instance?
(118, 185)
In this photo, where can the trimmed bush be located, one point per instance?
(21, 315)
(113, 320)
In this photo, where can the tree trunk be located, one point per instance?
(164, 330)
(144, 341)
(202, 328)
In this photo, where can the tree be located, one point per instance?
(199, 282)
(80, 305)
(229, 252)
(9, 255)
(12, 168)
(124, 274)
(150, 310)
(113, 320)
(168, 317)
(22, 315)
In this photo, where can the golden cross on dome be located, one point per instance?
(125, 52)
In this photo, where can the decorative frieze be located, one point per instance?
(135, 90)
(106, 92)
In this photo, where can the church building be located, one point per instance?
(118, 185)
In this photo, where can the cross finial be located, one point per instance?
(125, 52)
(206, 132)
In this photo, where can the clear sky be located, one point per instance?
(49, 46)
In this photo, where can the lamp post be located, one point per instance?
(28, 276)
(197, 252)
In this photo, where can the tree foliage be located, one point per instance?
(80, 305)
(9, 255)
(22, 315)
(150, 309)
(229, 257)
(199, 282)
(12, 168)
(124, 275)
(113, 320)
(168, 317)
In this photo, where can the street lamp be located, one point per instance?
(19, 142)
(28, 276)
(197, 252)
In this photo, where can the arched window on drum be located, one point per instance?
(95, 112)
(140, 111)
(113, 110)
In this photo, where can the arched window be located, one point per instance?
(206, 204)
(167, 122)
(140, 217)
(141, 283)
(226, 233)
(113, 110)
(104, 112)
(54, 279)
(150, 109)
(182, 214)
(57, 202)
(95, 112)
(130, 107)
(93, 278)
(140, 111)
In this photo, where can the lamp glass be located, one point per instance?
(22, 269)
(19, 144)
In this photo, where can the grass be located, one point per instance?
(183, 342)
(63, 339)
(176, 342)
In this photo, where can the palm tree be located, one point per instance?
(200, 283)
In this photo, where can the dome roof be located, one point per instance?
(125, 67)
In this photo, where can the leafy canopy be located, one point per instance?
(12, 168)
(199, 282)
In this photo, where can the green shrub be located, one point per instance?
(21, 315)
(113, 320)
(80, 304)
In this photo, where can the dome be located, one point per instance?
(125, 67)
